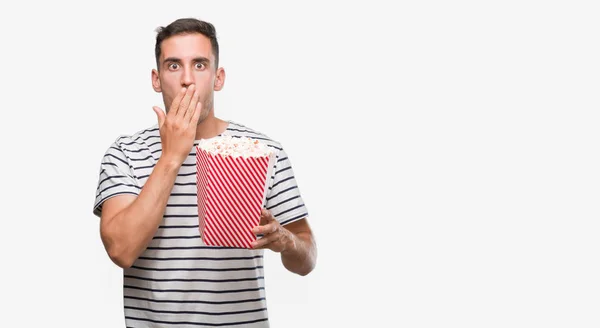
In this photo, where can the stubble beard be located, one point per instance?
(207, 107)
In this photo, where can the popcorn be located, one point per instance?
(233, 146)
(232, 180)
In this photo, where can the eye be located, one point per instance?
(173, 66)
(200, 66)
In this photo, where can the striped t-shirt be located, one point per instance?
(178, 281)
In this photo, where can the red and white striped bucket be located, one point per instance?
(231, 194)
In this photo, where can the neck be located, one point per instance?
(210, 127)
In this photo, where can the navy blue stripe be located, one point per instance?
(216, 248)
(281, 192)
(156, 143)
(135, 151)
(195, 302)
(240, 130)
(185, 184)
(131, 143)
(287, 168)
(149, 130)
(144, 167)
(194, 280)
(184, 194)
(140, 159)
(176, 237)
(197, 269)
(209, 291)
(111, 177)
(288, 210)
(285, 201)
(182, 205)
(281, 159)
(106, 163)
(284, 180)
(197, 323)
(111, 155)
(120, 138)
(200, 258)
(140, 137)
(191, 164)
(178, 226)
(180, 216)
(301, 216)
(195, 312)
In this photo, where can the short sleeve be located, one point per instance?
(116, 177)
(283, 197)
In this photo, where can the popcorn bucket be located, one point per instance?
(232, 179)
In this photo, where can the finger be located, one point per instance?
(265, 229)
(263, 220)
(185, 102)
(197, 113)
(176, 102)
(160, 114)
(264, 241)
(266, 218)
(192, 107)
(266, 214)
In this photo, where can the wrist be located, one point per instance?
(170, 163)
(291, 243)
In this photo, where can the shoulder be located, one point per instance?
(136, 150)
(236, 129)
(137, 140)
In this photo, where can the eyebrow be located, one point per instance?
(177, 60)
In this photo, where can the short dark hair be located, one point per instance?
(187, 26)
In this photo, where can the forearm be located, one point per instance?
(132, 229)
(301, 255)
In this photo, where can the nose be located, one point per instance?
(187, 78)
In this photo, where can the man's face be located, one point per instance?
(185, 60)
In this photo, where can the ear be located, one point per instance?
(219, 79)
(156, 81)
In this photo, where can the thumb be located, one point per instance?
(160, 114)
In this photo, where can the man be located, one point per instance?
(146, 199)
